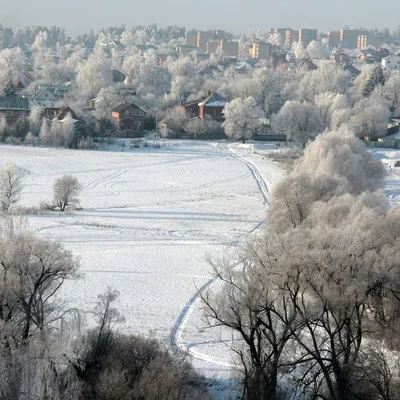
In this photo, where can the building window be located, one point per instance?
(15, 114)
(126, 112)
(9, 113)
(137, 112)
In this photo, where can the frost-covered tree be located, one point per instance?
(392, 92)
(196, 126)
(175, 120)
(3, 124)
(107, 99)
(66, 192)
(9, 88)
(318, 50)
(67, 130)
(326, 105)
(94, 74)
(375, 79)
(242, 118)
(370, 117)
(35, 119)
(44, 135)
(11, 185)
(30, 139)
(297, 120)
(336, 163)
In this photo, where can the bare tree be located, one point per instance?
(66, 192)
(11, 185)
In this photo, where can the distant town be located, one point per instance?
(64, 91)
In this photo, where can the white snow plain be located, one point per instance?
(149, 220)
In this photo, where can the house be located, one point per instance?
(60, 114)
(128, 116)
(50, 95)
(210, 71)
(211, 105)
(191, 108)
(14, 108)
(391, 62)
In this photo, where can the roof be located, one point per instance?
(193, 102)
(56, 91)
(352, 70)
(14, 103)
(214, 100)
(122, 107)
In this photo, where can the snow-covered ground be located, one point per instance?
(390, 158)
(149, 219)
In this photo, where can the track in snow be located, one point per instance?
(176, 340)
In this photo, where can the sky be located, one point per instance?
(237, 16)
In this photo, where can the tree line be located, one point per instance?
(314, 297)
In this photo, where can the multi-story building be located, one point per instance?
(306, 36)
(391, 62)
(212, 47)
(291, 36)
(349, 38)
(280, 31)
(191, 38)
(260, 50)
(203, 37)
(365, 41)
(219, 34)
(229, 48)
(333, 38)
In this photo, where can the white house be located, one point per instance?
(391, 62)
(50, 95)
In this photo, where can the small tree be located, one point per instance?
(242, 118)
(66, 192)
(196, 126)
(11, 185)
(9, 89)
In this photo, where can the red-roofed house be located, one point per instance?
(128, 116)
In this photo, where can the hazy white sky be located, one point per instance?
(77, 16)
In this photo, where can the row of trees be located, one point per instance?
(46, 354)
(314, 298)
(66, 189)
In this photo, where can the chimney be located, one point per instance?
(209, 93)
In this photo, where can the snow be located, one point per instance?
(390, 159)
(149, 220)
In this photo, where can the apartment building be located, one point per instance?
(260, 50)
(306, 36)
(191, 38)
(213, 46)
(291, 36)
(229, 48)
(349, 38)
(203, 37)
(333, 38)
(365, 41)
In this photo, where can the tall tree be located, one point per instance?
(9, 89)
(242, 118)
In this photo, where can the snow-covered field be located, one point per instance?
(149, 219)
